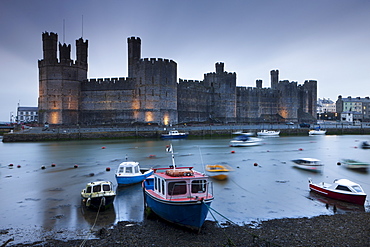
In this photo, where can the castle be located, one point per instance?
(151, 94)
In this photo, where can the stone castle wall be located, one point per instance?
(151, 93)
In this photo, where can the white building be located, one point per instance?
(27, 114)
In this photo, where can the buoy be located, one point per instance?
(43, 167)
(53, 165)
(19, 166)
(338, 163)
(255, 164)
(75, 166)
(102, 147)
(301, 149)
(152, 156)
(355, 147)
(233, 152)
(10, 164)
(91, 174)
(107, 169)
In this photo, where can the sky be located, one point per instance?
(323, 40)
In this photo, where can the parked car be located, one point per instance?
(289, 123)
(304, 125)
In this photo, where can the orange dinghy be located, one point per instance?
(219, 172)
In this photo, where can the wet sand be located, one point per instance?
(350, 229)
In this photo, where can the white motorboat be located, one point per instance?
(245, 141)
(268, 133)
(309, 164)
(98, 195)
(317, 131)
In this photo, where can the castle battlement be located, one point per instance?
(116, 83)
(157, 60)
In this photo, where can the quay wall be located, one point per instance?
(140, 133)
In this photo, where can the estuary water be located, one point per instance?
(263, 185)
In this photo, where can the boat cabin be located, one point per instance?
(172, 184)
(128, 168)
(96, 187)
(347, 186)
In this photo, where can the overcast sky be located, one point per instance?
(323, 40)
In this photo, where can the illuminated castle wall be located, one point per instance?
(151, 94)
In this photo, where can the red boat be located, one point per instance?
(341, 189)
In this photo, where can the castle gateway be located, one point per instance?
(151, 93)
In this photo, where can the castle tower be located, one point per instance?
(219, 68)
(65, 53)
(81, 52)
(134, 55)
(49, 47)
(274, 78)
(60, 82)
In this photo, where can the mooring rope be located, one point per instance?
(232, 222)
(92, 227)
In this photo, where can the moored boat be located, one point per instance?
(365, 145)
(218, 171)
(129, 172)
(179, 195)
(309, 164)
(174, 134)
(98, 195)
(268, 133)
(355, 164)
(245, 141)
(340, 189)
(317, 131)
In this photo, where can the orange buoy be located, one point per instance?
(19, 166)
(107, 169)
(102, 147)
(255, 164)
(232, 151)
(10, 164)
(152, 156)
(53, 165)
(75, 166)
(301, 149)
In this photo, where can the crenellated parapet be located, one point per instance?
(103, 84)
(155, 61)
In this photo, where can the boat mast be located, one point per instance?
(170, 150)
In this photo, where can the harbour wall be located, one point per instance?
(116, 133)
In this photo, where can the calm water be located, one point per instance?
(35, 198)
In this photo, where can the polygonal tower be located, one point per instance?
(60, 81)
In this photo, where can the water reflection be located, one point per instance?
(264, 184)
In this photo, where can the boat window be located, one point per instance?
(88, 190)
(162, 186)
(155, 183)
(198, 186)
(128, 169)
(341, 187)
(177, 188)
(136, 169)
(357, 188)
(96, 188)
(121, 170)
(106, 187)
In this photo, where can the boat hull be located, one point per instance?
(101, 202)
(174, 136)
(190, 214)
(128, 180)
(353, 198)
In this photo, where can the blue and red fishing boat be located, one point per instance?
(179, 195)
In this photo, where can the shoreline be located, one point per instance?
(349, 229)
(197, 131)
